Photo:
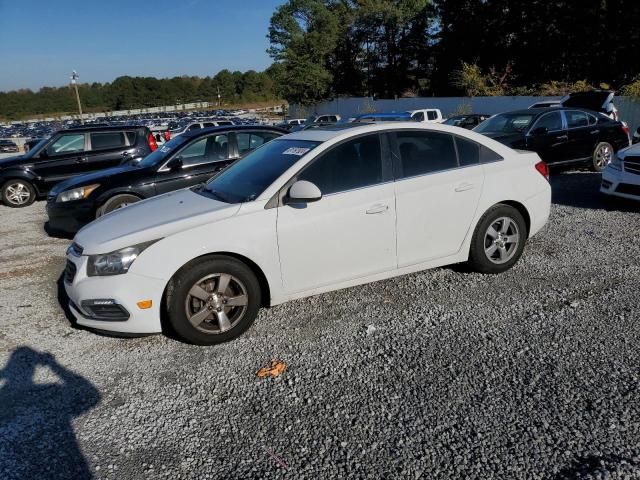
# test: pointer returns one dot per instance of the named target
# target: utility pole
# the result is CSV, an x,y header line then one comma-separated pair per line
x,y
74,78
218,97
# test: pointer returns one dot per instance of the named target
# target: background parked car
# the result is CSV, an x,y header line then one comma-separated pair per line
x,y
69,153
560,135
547,104
8,146
621,178
184,161
198,125
291,123
469,121
29,144
429,115
384,117
324,119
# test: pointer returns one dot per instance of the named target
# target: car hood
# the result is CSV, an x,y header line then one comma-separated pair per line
x,y
632,150
151,219
110,175
508,139
12,161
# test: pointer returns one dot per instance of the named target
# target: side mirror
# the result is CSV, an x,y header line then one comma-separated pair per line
x,y
638,131
303,191
43,153
540,131
175,163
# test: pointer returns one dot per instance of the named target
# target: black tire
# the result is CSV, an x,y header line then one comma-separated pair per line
x,y
116,202
18,193
602,156
209,331
482,243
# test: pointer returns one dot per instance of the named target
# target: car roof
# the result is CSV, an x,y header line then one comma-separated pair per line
x,y
385,115
106,128
227,128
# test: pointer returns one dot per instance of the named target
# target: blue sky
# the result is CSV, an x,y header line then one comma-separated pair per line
x,y
42,41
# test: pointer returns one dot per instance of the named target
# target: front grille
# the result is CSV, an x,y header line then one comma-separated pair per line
x,y
628,189
106,310
632,164
70,272
606,184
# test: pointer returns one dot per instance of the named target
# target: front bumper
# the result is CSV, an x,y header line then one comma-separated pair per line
x,y
69,217
619,183
125,290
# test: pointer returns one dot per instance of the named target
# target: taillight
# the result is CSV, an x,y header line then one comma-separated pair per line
x,y
152,142
167,135
625,128
543,169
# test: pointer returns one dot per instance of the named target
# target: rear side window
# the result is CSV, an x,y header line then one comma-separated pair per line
x,y
425,152
106,140
131,136
576,119
354,164
431,115
195,126
472,153
551,121
248,141
207,124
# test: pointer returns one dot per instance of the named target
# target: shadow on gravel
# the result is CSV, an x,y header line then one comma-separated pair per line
x,y
582,190
594,467
36,435
56,233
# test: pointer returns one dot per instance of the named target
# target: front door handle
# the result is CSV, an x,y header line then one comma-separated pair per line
x,y
463,187
377,208
82,159
594,132
563,137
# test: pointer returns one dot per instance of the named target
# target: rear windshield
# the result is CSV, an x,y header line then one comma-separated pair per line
x,y
246,179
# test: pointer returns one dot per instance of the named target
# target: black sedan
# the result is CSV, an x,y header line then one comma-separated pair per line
x,y
560,135
185,161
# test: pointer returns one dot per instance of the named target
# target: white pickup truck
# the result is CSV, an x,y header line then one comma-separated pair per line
x,y
429,115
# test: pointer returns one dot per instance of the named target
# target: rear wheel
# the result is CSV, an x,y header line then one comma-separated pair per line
x,y
18,193
602,156
213,301
115,203
498,240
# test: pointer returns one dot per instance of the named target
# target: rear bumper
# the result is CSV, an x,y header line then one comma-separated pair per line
x,y
69,217
621,184
125,290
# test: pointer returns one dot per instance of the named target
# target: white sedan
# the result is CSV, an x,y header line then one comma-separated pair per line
x,y
621,178
307,213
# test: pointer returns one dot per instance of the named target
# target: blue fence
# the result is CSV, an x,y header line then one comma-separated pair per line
x,y
629,108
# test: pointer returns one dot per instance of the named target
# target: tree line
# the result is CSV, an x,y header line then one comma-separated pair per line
x,y
393,48
139,92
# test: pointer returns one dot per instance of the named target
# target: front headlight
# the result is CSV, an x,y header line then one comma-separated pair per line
x,y
115,263
77,193
616,163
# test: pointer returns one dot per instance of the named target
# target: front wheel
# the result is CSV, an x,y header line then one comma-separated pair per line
x,y
602,156
213,301
18,193
115,203
498,240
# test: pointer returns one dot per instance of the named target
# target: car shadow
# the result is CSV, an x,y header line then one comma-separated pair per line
x,y
52,232
582,190
36,418
594,467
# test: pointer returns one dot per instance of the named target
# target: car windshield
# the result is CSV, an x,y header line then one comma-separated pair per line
x,y
246,179
506,123
157,157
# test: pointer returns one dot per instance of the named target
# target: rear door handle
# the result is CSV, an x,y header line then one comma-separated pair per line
x,y
82,159
563,137
593,132
377,208
463,187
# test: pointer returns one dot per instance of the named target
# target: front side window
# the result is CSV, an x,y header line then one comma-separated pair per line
x,y
419,117
206,149
551,121
354,164
195,126
106,140
576,119
73,142
425,152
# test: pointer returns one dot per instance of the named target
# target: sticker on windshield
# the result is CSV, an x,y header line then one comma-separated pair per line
x,y
165,149
299,151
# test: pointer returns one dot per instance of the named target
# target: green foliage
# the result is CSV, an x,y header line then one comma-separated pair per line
x,y
126,93
556,88
632,89
470,79
462,109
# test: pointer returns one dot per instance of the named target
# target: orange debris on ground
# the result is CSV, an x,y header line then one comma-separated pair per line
x,y
274,370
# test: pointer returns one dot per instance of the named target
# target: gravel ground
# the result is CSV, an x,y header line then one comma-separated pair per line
x,y
441,374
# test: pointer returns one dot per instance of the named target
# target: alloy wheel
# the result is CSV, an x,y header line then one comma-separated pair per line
x,y
17,193
216,303
501,240
604,155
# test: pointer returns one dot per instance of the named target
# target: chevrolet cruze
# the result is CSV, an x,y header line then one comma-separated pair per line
x,y
307,213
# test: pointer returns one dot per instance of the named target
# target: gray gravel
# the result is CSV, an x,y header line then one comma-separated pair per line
x,y
442,374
